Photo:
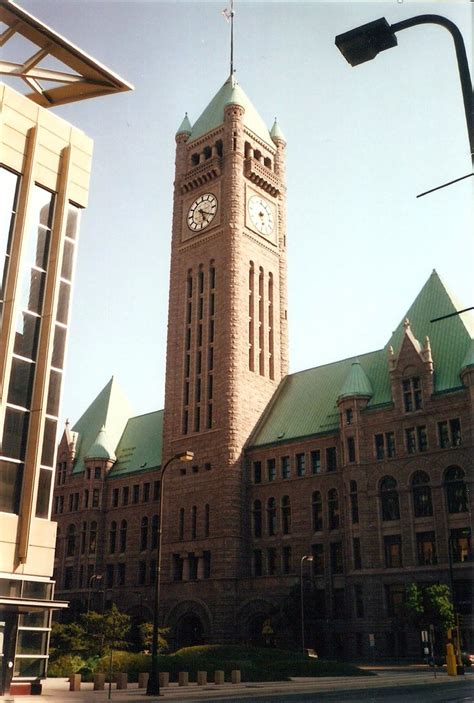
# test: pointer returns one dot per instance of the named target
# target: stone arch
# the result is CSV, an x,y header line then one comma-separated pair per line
x,y
190,624
252,616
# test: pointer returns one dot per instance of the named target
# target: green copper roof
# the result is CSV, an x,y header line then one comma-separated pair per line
x,y
111,410
185,126
469,358
102,447
356,383
140,446
276,132
450,338
306,402
213,116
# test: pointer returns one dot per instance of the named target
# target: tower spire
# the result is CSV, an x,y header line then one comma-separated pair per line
x,y
229,15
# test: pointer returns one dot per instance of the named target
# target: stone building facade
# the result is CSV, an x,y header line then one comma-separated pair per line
x,y
363,464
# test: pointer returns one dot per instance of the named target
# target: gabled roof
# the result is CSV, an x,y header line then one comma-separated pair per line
x,y
306,402
213,116
140,446
111,410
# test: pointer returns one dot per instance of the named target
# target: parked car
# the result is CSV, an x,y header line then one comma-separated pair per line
x,y
467,659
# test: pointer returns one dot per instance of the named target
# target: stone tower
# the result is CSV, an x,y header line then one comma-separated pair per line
x,y
227,348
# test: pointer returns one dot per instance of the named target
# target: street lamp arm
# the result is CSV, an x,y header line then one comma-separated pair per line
x,y
463,64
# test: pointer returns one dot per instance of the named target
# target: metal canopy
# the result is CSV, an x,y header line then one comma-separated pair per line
x,y
83,76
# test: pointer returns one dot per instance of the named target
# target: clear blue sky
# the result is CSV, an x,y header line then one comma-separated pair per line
x,y
362,143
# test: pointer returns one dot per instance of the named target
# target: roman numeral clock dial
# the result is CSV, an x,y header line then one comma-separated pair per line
x,y
202,212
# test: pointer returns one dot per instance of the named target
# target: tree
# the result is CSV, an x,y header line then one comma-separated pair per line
x,y
67,638
431,605
146,635
106,631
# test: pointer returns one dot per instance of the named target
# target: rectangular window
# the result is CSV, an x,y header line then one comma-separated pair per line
x,y
257,562
317,551
357,553
460,542
426,548
146,492
95,498
178,563
285,467
125,495
115,497
141,573
337,565
271,561
331,459
286,554
393,551
271,469
68,578
97,472
135,493
449,433
359,600
422,438
390,443
351,450
257,471
121,570
300,465
412,398
338,603
349,416
316,461
410,440
206,557
156,490
379,446
395,598
109,575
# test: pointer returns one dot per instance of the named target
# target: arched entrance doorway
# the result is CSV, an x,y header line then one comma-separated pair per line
x,y
189,631
256,626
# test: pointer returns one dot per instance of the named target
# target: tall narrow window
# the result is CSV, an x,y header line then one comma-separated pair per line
x,y
271,358
123,536
286,515
316,461
181,524
112,537
271,516
333,509
317,511
261,322
193,522
354,499
456,490
155,523
422,503
144,534
93,538
207,520
389,499
251,341
300,464
412,397
257,518
71,541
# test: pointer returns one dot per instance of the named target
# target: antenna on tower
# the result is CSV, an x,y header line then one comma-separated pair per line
x,y
229,15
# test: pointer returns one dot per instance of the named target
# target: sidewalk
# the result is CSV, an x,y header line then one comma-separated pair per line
x,y
57,690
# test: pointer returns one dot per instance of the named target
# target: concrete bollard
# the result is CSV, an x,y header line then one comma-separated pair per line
x,y
99,682
183,678
143,679
75,682
201,678
164,679
219,677
122,681
235,676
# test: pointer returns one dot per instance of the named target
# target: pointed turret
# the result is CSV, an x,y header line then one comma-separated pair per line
x,y
276,133
102,448
213,116
356,384
185,127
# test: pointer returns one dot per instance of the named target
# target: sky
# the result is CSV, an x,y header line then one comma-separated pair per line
x,y
361,144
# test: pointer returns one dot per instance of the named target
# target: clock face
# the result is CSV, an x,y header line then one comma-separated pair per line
x,y
202,212
261,215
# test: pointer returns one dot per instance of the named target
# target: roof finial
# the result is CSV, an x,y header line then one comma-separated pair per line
x,y
229,15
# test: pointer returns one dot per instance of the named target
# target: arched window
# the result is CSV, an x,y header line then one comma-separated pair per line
x,y
257,518
112,537
207,520
456,490
286,515
317,506
144,534
155,521
271,516
422,503
333,509
389,499
123,535
193,522
71,541
93,537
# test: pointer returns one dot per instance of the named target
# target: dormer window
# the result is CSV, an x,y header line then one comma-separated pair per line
x,y
412,399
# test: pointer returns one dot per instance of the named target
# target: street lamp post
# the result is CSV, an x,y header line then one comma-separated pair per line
x,y
94,577
306,557
153,686
365,42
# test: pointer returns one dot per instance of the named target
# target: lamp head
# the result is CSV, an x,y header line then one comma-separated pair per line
x,y
365,42
185,456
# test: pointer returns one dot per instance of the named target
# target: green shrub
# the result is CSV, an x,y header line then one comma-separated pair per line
x,y
65,665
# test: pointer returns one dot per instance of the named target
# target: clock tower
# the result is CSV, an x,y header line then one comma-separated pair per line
x,y
226,352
